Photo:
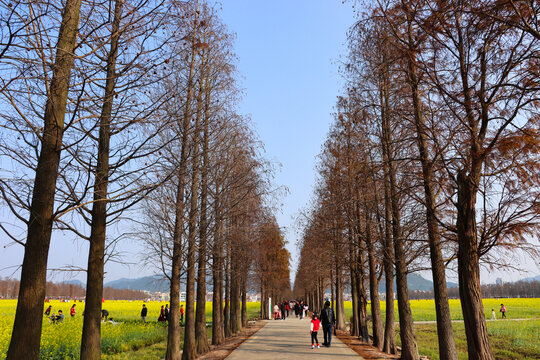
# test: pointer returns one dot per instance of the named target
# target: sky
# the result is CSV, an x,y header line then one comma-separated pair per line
x,y
289,53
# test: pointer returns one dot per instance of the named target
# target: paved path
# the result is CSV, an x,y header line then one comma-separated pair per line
x,y
289,339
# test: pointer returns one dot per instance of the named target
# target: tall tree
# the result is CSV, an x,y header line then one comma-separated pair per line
x,y
26,333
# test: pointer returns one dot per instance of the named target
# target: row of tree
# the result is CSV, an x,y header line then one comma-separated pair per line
x,y
122,111
432,158
9,289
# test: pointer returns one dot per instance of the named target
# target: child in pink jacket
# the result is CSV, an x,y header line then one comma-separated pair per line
x,y
314,327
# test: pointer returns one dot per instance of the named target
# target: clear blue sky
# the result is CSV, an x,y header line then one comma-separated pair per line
x,y
289,53
288,60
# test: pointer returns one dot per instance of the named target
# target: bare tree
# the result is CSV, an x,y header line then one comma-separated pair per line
x,y
27,327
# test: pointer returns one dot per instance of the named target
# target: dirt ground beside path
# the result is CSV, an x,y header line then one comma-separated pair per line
x,y
368,352
220,352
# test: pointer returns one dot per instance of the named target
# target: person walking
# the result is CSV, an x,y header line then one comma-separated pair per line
x,y
314,328
72,311
144,312
276,311
167,312
503,311
328,320
283,310
301,310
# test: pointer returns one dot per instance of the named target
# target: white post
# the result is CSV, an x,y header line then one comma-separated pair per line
x,y
269,308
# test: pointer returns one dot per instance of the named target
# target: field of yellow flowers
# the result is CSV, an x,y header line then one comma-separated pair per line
x,y
63,341
128,332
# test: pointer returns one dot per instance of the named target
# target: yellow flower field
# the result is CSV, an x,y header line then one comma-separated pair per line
x,y
424,310
63,341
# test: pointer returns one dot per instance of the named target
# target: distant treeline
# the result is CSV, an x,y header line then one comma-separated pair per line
x,y
9,289
523,289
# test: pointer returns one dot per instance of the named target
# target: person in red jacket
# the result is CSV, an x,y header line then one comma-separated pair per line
x,y
181,313
72,311
314,328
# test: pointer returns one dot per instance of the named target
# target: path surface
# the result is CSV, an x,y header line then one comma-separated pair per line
x,y
289,339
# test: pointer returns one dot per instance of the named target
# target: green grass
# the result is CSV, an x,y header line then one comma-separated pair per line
x,y
509,339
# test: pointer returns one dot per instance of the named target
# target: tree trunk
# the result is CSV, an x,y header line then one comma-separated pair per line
x,y
201,336
478,344
235,319
173,334
409,347
374,292
91,334
340,309
447,346
217,297
354,290
389,345
362,300
226,311
189,351
26,335
244,300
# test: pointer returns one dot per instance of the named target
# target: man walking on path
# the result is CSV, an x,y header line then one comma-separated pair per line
x,y
328,320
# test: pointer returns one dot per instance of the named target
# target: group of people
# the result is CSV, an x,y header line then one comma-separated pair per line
x,y
502,310
54,318
163,314
59,317
281,311
326,320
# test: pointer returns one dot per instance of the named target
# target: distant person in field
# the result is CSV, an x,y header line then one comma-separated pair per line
x,y
48,311
161,317
328,320
72,311
104,315
503,311
144,312
181,313
167,312
313,329
493,317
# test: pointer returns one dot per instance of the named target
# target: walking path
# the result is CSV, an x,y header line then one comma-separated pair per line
x,y
290,339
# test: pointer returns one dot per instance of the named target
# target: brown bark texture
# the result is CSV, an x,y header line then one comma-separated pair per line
x,y
26,335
